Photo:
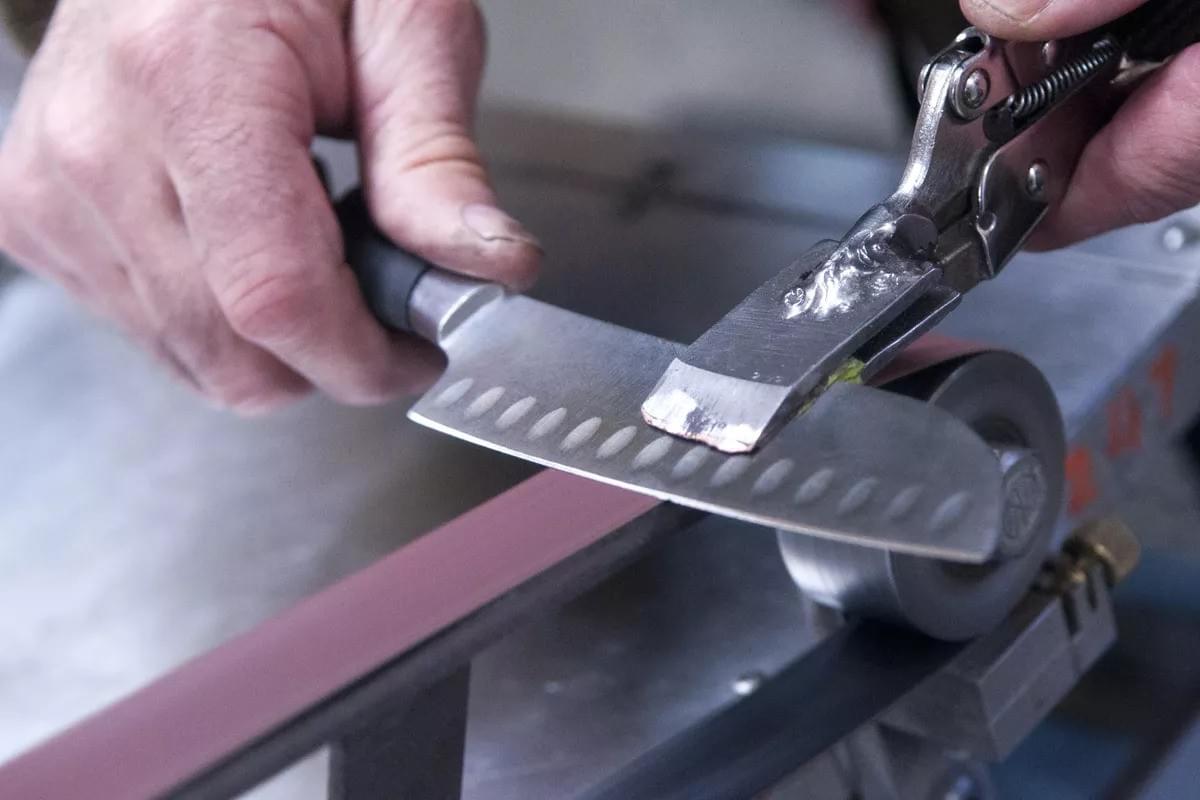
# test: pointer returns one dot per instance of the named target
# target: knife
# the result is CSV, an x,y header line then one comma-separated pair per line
x,y
564,390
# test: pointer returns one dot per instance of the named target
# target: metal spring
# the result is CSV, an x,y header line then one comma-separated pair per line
x,y
1034,99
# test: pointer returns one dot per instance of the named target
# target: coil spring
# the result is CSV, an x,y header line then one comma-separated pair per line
x,y
1036,98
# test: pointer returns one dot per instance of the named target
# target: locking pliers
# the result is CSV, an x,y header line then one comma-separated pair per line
x,y
1001,129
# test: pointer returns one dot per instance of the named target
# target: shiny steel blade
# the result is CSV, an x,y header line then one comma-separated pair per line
x,y
863,465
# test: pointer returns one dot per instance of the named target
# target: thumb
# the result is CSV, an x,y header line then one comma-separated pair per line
x,y
416,67
1044,19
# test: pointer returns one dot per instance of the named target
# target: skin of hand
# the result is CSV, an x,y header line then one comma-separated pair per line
x,y
157,165
1145,164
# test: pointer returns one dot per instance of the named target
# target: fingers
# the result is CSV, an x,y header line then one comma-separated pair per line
x,y
261,228
1143,166
417,66
185,324
270,249
1044,19
125,255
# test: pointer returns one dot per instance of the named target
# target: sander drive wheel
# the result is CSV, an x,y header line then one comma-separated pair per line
x,y
1007,401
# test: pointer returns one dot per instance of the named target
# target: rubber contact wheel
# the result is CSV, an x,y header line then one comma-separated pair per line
x,y
1007,401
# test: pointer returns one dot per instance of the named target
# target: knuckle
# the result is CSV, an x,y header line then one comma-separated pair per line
x,y
272,308
445,145
151,57
78,145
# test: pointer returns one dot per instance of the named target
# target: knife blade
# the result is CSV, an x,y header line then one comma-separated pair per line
x,y
564,390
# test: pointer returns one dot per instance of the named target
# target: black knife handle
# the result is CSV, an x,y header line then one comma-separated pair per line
x,y
386,274
1159,29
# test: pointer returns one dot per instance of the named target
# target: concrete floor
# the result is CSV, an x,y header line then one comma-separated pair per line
x,y
139,527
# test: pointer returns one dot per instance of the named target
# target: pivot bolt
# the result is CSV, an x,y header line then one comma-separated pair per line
x,y
1036,180
975,89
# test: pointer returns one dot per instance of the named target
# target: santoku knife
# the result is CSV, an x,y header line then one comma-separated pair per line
x,y
564,390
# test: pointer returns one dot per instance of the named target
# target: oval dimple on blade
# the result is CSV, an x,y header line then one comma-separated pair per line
x,y
903,503
690,462
857,497
485,402
581,434
515,413
652,453
950,512
547,424
733,468
773,477
815,486
454,393
617,442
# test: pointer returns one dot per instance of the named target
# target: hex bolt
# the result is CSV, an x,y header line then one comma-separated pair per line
x,y
975,89
1109,542
1036,179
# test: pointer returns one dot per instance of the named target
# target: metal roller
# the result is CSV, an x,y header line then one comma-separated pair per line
x,y
1008,402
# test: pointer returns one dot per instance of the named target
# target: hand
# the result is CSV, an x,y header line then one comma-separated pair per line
x,y
157,165
1146,163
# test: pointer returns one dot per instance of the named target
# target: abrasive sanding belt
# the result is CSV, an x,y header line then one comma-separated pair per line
x,y
196,716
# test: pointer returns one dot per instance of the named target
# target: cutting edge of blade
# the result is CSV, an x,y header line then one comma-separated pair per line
x,y
955,554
